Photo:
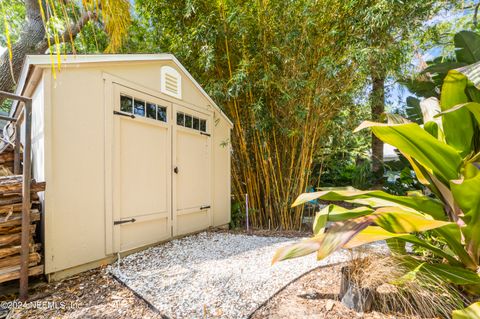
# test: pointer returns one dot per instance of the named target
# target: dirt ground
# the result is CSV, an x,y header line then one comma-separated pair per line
x,y
314,295
92,294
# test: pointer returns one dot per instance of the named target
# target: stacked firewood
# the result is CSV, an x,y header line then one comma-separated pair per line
x,y
6,161
11,227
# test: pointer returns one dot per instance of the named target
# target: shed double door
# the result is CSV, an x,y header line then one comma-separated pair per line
x,y
161,170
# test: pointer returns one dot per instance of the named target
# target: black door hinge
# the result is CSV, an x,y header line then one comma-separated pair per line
x,y
118,222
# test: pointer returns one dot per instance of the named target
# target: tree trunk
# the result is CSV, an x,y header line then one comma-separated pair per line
x,y
32,34
377,104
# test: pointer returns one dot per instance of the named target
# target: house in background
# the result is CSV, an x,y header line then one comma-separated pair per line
x,y
132,150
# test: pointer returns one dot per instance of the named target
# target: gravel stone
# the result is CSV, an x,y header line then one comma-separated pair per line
x,y
214,275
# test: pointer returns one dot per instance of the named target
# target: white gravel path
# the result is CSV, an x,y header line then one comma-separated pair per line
x,y
209,275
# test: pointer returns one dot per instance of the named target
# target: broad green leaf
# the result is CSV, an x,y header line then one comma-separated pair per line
x,y
443,67
457,127
442,159
320,220
472,92
397,220
454,274
453,237
471,312
377,199
467,44
396,246
473,107
435,250
341,233
396,119
375,233
430,108
432,128
466,193
413,110
340,213
369,235
325,243
299,249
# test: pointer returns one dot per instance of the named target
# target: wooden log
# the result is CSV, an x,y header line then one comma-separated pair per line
x,y
15,219
13,183
6,157
13,189
7,201
13,250
14,239
14,273
15,229
33,259
7,209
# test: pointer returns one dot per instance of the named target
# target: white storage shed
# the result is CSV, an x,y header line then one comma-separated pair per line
x,y
132,150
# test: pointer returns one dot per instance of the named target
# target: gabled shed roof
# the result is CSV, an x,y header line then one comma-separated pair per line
x,y
45,60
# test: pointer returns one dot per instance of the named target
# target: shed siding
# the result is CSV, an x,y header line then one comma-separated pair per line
x,y
74,218
221,171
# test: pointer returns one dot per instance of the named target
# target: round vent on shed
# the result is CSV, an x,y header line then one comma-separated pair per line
x,y
170,82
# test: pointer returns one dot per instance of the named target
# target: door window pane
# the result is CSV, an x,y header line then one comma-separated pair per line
x,y
139,108
203,125
125,104
162,113
196,123
188,120
180,119
151,111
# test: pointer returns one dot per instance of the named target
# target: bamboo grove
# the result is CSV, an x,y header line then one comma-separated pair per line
x,y
280,71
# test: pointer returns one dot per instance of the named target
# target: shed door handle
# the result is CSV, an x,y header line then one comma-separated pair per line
x,y
124,114
205,207
175,170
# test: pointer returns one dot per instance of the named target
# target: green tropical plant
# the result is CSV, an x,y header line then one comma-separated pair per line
x,y
471,312
429,82
445,156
